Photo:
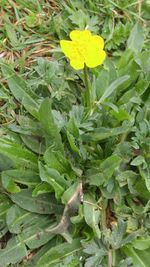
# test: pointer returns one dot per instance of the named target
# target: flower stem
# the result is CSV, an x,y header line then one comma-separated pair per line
x,y
87,96
110,259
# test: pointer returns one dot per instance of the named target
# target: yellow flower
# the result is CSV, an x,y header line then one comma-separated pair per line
x,y
84,48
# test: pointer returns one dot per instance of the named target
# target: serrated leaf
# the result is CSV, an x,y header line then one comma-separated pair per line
x,y
97,252
117,234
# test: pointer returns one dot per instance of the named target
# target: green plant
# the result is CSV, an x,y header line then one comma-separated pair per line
x,y
75,184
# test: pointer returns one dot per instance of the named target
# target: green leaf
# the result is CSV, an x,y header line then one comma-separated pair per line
x,y
121,115
5,163
136,38
10,185
72,126
17,219
140,258
53,137
139,160
20,90
55,160
31,20
124,176
69,261
5,204
35,235
95,177
142,190
92,214
33,143
117,234
30,226
52,177
41,189
41,251
132,69
58,253
96,251
42,204
103,133
141,243
69,193
112,87
72,142
19,155
26,177
102,83
142,86
10,31
82,19
145,173
109,165
143,60
13,253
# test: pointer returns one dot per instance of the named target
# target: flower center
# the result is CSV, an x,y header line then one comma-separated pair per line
x,y
81,48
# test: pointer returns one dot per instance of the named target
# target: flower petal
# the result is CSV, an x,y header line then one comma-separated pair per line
x,y
77,64
94,59
77,35
98,41
84,48
67,47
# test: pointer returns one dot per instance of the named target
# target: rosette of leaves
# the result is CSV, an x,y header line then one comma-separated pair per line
x,y
75,186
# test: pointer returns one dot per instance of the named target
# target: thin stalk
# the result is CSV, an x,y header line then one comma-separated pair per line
x,y
104,228
110,258
103,215
87,96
